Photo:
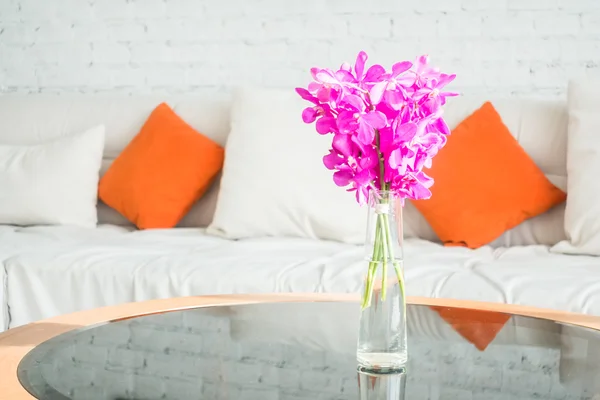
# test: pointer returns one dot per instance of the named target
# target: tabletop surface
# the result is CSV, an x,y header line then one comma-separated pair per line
x,y
306,350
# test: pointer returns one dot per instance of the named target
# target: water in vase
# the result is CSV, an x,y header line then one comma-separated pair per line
x,y
382,343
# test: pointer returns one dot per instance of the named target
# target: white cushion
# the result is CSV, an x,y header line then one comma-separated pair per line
x,y
582,215
274,182
52,183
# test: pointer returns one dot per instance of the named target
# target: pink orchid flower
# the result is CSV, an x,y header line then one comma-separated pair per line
x,y
381,121
364,124
393,82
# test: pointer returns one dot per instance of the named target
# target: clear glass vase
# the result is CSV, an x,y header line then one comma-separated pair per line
x,y
382,333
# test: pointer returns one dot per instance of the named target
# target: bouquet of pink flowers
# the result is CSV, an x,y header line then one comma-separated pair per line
x,y
386,127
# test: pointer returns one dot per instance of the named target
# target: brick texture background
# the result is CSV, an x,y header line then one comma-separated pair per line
x,y
506,47
194,355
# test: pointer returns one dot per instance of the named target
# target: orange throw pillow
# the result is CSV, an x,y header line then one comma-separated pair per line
x,y
162,172
485,183
478,327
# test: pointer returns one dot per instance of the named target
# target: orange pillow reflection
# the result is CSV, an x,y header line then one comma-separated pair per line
x,y
165,169
485,183
478,327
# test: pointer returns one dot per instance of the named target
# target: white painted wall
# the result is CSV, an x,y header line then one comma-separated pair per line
x,y
511,47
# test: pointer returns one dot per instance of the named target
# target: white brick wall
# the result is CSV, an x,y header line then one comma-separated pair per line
x,y
135,359
510,47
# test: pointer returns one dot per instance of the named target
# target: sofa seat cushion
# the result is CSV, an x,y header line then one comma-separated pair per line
x,y
64,269
9,247
3,296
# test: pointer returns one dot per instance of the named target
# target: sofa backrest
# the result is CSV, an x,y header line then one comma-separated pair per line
x,y
540,126
30,119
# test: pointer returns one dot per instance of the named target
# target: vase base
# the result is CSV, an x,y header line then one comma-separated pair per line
x,y
382,362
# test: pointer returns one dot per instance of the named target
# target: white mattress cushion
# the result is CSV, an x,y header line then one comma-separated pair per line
x,y
51,183
8,248
64,269
4,317
274,181
582,216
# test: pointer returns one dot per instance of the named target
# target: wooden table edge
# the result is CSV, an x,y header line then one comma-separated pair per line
x,y
37,332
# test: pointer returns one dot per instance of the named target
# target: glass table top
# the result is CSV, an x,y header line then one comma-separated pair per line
x,y
297,351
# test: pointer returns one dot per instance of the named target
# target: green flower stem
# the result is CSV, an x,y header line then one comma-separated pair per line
x,y
381,220
383,246
383,252
369,285
397,268
372,268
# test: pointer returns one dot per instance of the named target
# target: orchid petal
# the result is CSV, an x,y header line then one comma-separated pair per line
x,y
344,76
369,159
359,65
374,72
376,119
326,76
332,160
406,132
325,125
342,178
420,160
324,94
362,195
441,125
422,62
363,178
354,101
365,133
314,71
444,80
377,91
425,179
347,122
306,95
449,94
309,115
343,144
395,99
395,159
407,79
420,192
386,139
401,67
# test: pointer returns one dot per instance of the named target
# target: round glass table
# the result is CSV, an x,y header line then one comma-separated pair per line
x,y
295,350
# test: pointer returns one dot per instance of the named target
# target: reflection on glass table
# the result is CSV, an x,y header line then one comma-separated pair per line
x,y
379,386
295,351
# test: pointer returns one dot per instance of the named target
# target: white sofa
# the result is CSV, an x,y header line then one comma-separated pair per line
x,y
51,270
